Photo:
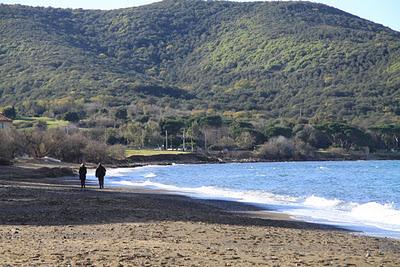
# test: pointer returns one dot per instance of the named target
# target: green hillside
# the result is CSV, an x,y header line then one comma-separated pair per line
x,y
261,61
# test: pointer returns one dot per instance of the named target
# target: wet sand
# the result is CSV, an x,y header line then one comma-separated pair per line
x,y
52,222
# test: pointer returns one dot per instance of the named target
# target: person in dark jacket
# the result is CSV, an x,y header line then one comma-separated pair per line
x,y
100,173
82,175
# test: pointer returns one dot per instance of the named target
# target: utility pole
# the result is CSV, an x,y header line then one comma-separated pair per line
x,y
184,140
166,140
191,138
205,141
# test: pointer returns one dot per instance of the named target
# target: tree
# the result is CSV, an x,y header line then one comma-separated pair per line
x,y
72,116
121,114
345,135
245,140
152,134
226,142
134,134
275,131
316,138
193,134
10,112
237,127
172,126
211,121
389,134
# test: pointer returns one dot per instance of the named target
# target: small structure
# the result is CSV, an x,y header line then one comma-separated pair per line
x,y
5,122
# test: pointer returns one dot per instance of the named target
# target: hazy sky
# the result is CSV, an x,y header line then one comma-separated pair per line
x,y
385,12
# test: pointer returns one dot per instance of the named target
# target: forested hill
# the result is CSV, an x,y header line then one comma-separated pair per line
x,y
261,59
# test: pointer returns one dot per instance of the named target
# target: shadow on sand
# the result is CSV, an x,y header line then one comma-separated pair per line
x,y
52,202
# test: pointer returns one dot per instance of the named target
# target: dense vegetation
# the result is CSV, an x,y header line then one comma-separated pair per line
x,y
257,60
282,140
291,75
74,146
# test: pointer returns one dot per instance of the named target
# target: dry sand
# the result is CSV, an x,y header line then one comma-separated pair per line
x,y
50,222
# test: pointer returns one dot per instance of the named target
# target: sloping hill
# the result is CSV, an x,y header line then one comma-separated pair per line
x,y
271,59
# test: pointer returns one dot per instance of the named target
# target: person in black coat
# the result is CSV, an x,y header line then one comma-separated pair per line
x,y
100,173
82,175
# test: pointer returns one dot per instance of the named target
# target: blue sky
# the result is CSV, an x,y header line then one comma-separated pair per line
x,y
385,12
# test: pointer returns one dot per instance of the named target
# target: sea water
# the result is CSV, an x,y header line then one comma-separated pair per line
x,y
358,195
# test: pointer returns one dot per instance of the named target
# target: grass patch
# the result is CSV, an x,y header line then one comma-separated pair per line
x,y
28,122
150,152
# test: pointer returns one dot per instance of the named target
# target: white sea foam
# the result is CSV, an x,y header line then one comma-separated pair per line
x,y
373,218
150,175
249,196
119,171
128,172
385,216
313,208
320,202
153,166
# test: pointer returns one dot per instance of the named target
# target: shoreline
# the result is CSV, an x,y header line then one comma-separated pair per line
x,y
256,210
195,158
51,221
287,209
56,169
39,168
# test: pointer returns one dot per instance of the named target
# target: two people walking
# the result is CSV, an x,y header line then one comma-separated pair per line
x,y
100,174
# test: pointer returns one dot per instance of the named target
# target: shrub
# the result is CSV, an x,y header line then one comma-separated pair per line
x,y
42,125
226,143
116,152
71,116
303,150
8,143
277,148
39,143
72,147
96,152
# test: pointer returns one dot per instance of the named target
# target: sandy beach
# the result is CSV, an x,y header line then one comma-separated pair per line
x,y
52,222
